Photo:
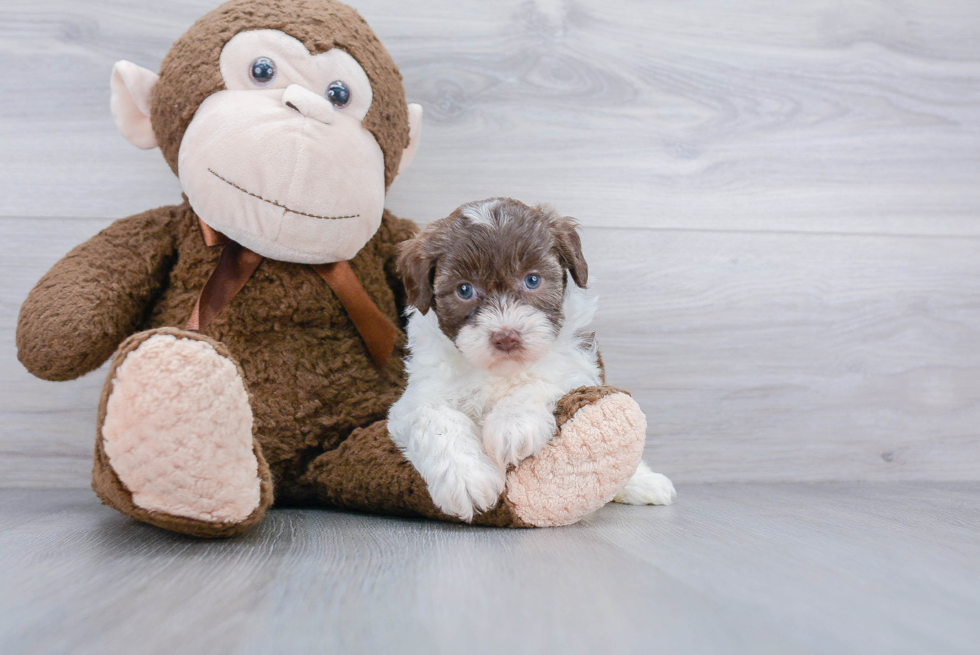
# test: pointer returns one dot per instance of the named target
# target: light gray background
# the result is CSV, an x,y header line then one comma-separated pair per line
x,y
781,201
781,204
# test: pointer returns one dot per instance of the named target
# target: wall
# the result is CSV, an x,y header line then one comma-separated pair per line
x,y
781,205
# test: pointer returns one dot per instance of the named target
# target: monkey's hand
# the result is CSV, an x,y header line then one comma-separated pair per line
x,y
96,296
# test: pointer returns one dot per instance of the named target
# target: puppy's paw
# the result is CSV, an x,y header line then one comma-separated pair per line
x,y
511,435
647,488
465,485
443,445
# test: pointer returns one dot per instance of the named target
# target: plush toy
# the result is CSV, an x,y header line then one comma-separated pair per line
x,y
255,329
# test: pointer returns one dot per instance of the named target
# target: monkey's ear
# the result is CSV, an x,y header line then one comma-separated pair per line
x,y
569,247
132,90
417,269
414,134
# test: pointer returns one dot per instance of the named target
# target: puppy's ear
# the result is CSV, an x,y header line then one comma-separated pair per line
x,y
417,267
569,248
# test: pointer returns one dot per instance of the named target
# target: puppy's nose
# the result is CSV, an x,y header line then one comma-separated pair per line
x,y
506,340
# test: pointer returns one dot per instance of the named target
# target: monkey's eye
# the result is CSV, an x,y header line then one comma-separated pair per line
x,y
465,291
532,281
338,94
262,71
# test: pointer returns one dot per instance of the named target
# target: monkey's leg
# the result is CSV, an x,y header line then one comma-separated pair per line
x,y
597,448
600,438
175,446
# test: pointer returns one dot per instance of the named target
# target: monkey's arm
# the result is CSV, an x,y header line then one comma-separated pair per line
x,y
96,296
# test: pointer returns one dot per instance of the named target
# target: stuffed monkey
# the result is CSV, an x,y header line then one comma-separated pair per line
x,y
255,329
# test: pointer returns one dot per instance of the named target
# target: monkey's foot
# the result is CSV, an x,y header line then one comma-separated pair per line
x,y
597,449
175,445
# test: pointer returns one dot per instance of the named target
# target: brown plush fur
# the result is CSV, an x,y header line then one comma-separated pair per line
x,y
189,73
578,398
82,309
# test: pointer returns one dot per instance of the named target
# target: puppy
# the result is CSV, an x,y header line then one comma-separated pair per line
x,y
497,335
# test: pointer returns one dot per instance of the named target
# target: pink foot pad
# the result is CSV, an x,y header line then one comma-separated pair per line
x,y
178,431
583,467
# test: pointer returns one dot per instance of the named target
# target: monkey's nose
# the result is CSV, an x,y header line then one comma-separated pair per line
x,y
506,341
311,105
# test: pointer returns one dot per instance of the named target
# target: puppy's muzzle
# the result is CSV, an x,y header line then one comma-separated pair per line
x,y
506,341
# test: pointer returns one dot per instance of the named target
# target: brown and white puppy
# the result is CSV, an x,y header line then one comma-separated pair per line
x,y
500,331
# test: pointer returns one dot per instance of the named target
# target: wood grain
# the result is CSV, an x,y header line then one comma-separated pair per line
x,y
782,204
734,568
788,116
796,357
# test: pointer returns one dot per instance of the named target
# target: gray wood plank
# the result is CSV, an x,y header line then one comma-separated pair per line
x,y
796,357
732,568
756,356
792,116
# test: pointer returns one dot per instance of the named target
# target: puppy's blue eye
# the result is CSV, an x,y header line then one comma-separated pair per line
x,y
338,94
465,291
532,281
262,71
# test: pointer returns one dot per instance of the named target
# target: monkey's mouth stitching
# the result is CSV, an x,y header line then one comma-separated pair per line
x,y
278,204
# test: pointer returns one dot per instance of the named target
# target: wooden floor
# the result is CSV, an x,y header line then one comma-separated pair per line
x,y
732,568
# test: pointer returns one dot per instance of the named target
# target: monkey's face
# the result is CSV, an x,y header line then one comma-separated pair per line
x,y
279,161
279,158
